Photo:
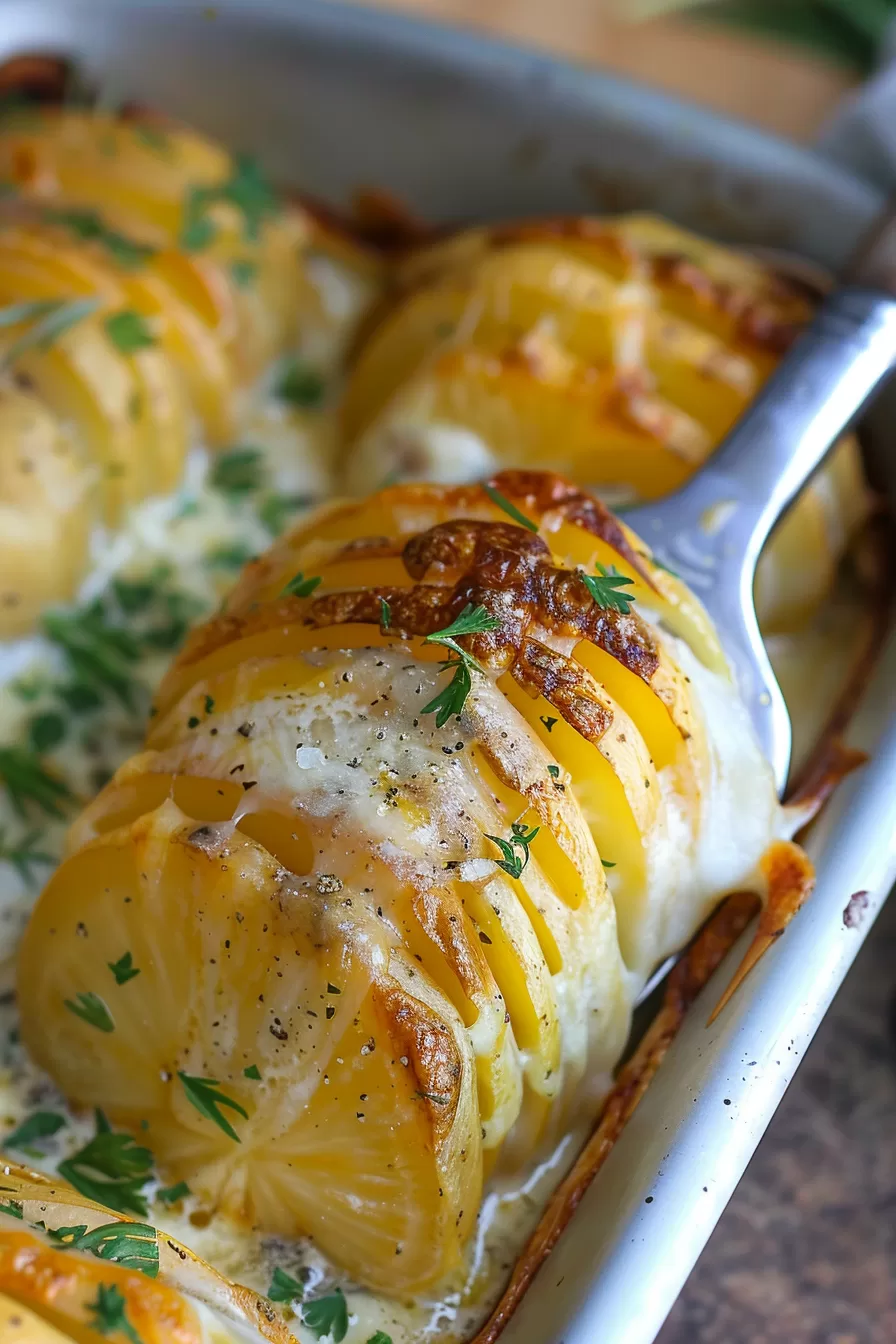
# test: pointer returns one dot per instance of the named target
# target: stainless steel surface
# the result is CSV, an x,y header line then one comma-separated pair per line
x,y
460,127
713,529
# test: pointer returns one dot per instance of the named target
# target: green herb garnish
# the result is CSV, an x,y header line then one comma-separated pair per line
x,y
23,855
245,189
129,331
243,272
660,564
40,1125
554,771
46,731
204,1094
327,1316
276,510
252,1072
111,1169
385,614
27,782
510,509
173,1193
605,863
299,586
452,698
100,654
123,969
229,557
12,1208
605,587
90,226
284,1288
152,137
300,385
521,838
54,322
238,472
131,1245
91,1009
109,1310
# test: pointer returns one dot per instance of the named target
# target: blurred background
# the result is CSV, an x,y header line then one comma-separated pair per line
x,y
806,1252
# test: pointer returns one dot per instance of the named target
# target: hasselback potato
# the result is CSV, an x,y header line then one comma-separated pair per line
x,y
619,350
417,813
71,1272
148,279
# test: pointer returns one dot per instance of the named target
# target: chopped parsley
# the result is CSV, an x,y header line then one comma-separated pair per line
x,y
243,272
605,863
205,1095
385,614
229,557
23,855
276,510
452,698
661,564
252,1072
129,331
605,587
90,226
380,1337
300,385
284,1288
109,1311
299,586
12,1208
40,1125
46,731
327,1316
53,319
238,472
91,1009
245,189
172,1193
27,782
99,653
123,969
510,509
131,1245
111,1169
521,838
548,721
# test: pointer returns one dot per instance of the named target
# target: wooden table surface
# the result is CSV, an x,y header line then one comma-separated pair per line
x,y
806,1251
777,87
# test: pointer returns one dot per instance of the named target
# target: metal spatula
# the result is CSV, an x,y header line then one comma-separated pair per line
x,y
711,531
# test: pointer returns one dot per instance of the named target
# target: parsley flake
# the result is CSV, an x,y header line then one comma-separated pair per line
x,y
172,1193
243,272
91,1009
327,1316
605,863
204,1094
252,1072
109,1310
554,771
28,782
123,969
380,1337
300,385
238,472
131,1245
53,319
23,855
40,1125
521,838
90,226
12,1208
385,614
111,1169
299,586
129,331
452,698
284,1288
46,731
276,510
510,509
605,587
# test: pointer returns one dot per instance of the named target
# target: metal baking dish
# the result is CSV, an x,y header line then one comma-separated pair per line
x,y
459,127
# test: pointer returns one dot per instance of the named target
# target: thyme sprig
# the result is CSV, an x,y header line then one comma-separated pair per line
x,y
521,837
